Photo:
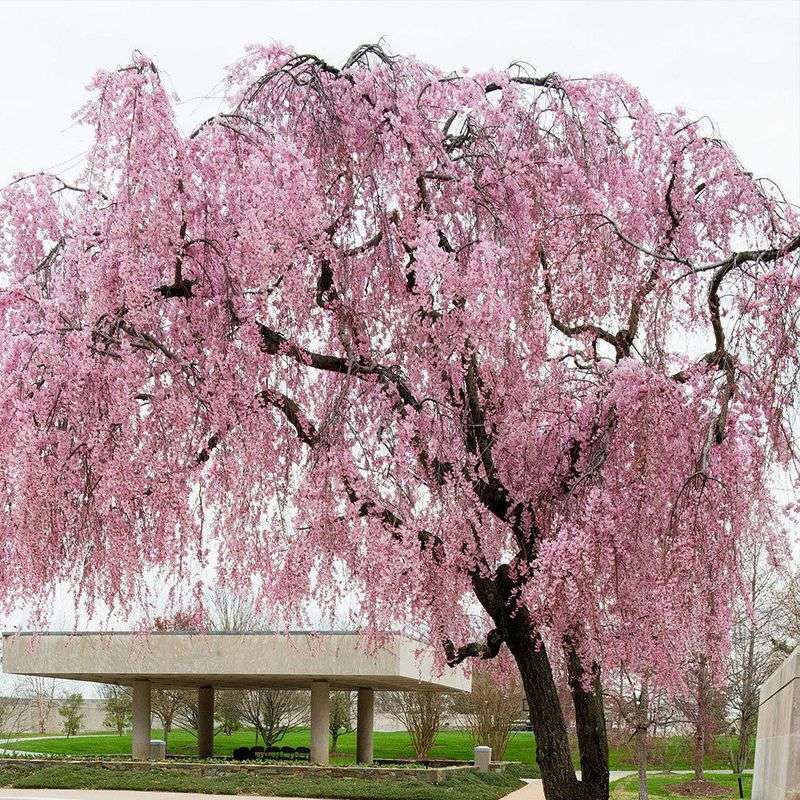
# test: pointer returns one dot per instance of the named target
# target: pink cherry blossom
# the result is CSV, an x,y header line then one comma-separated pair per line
x,y
416,342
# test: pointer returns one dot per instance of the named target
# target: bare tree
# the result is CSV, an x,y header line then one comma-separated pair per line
x,y
665,717
632,701
166,704
491,709
274,712
786,636
232,612
754,654
12,710
703,708
420,713
228,711
187,713
41,692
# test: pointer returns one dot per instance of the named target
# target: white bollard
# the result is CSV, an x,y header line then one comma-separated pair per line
x,y
158,750
483,757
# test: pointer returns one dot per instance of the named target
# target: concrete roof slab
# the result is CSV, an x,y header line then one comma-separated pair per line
x,y
231,660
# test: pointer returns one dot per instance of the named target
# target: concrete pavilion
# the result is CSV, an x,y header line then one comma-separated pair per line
x,y
320,662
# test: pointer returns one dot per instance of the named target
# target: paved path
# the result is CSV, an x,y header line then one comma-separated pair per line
x,y
97,794
532,790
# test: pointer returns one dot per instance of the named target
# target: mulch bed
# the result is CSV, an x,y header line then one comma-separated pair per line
x,y
701,789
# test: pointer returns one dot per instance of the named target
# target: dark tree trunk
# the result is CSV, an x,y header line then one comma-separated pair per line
x,y
590,722
553,754
699,752
701,723
547,720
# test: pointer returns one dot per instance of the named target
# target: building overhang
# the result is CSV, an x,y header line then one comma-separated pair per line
x,y
232,660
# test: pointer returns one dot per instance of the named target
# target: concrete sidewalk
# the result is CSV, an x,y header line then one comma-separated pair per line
x,y
531,791
115,794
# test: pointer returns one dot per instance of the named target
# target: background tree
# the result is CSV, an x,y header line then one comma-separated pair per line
x,y
490,710
786,634
70,710
41,693
187,711
341,716
272,713
166,704
420,713
12,712
511,339
228,711
118,705
754,655
703,707
632,701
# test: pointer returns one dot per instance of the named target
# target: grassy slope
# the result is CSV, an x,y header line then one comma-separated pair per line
x,y
457,787
659,786
449,744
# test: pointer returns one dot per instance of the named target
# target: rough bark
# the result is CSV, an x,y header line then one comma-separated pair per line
x,y
553,754
587,697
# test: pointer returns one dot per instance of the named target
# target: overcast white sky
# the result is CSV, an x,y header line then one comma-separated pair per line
x,y
738,62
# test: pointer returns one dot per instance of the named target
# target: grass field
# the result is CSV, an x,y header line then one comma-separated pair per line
x,y
449,744
660,786
456,787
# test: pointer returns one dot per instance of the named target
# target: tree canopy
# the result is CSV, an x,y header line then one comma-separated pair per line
x,y
413,336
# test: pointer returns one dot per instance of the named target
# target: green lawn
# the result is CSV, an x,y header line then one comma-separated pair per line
x,y
70,776
449,744
659,786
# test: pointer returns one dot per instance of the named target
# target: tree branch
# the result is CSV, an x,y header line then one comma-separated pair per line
x,y
306,431
276,343
483,650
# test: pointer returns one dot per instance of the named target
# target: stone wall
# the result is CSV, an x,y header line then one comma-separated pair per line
x,y
218,769
777,766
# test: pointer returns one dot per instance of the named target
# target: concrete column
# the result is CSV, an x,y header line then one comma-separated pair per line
x,y
320,721
205,721
365,722
141,720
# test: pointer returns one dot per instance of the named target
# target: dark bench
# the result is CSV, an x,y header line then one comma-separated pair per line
x,y
285,753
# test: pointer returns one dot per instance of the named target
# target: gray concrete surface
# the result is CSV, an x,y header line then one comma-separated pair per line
x,y
101,794
231,660
777,765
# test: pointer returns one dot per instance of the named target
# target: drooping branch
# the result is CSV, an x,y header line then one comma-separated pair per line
x,y
628,335
573,331
549,81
